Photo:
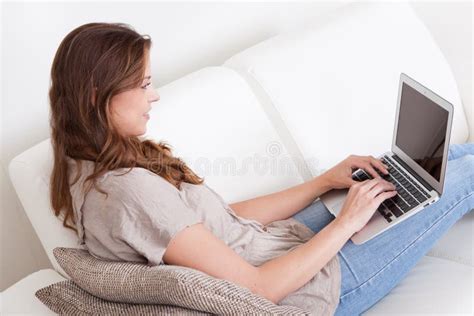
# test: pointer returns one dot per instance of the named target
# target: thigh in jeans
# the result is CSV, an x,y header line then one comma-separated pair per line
x,y
369,271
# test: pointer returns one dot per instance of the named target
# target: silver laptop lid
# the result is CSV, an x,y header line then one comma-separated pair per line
x,y
422,131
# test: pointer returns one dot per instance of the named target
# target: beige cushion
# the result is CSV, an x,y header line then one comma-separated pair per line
x,y
138,283
66,298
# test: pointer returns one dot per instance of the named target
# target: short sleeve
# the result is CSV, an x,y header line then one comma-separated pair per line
x,y
151,212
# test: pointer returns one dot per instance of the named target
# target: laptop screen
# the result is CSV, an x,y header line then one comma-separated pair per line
x,y
421,130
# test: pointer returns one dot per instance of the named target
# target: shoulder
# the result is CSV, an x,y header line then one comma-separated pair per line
x,y
138,185
135,177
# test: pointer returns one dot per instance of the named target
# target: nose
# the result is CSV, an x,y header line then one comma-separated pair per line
x,y
155,96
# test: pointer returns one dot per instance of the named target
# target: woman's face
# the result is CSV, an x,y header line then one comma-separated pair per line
x,y
129,109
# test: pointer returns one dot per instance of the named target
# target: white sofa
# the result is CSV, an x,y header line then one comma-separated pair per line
x,y
293,101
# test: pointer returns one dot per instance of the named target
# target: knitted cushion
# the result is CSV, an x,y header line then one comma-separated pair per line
x,y
66,298
138,283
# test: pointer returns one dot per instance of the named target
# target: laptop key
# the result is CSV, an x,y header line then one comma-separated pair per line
x,y
358,176
388,216
412,190
396,199
412,201
420,197
381,210
393,207
405,207
421,190
396,211
392,180
406,198
404,194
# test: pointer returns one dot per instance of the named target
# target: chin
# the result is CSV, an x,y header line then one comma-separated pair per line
x,y
143,132
138,133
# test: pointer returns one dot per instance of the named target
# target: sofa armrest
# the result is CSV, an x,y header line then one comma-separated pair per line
x,y
20,297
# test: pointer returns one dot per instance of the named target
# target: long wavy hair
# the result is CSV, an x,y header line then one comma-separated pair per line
x,y
108,58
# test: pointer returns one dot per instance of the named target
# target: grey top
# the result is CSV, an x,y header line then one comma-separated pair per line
x,y
144,212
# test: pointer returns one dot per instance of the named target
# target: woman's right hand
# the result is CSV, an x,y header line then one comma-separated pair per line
x,y
362,201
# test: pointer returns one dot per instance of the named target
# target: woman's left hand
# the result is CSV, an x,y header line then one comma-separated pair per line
x,y
340,176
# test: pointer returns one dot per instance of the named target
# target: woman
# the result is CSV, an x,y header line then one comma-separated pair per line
x,y
131,199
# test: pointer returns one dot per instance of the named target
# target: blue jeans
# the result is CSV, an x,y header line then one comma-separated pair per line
x,y
369,271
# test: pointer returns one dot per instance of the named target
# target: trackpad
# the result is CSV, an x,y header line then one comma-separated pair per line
x,y
334,200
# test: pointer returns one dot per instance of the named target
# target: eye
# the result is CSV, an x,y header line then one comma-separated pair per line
x,y
145,86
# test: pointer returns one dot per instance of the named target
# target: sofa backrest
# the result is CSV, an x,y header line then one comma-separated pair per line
x,y
216,124
29,173
334,87
213,122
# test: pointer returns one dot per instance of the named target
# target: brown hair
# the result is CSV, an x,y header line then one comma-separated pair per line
x,y
109,58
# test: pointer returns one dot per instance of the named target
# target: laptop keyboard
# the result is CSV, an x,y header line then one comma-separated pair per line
x,y
409,195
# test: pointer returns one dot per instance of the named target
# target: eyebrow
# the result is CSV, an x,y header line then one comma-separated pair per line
x,y
147,77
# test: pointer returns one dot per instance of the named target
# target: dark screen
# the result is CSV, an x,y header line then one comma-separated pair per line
x,y
421,130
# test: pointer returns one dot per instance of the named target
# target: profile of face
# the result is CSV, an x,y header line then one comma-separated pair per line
x,y
129,109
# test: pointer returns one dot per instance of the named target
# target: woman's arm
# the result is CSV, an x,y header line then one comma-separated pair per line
x,y
196,247
303,263
283,204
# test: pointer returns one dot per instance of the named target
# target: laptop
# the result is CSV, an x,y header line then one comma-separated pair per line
x,y
416,162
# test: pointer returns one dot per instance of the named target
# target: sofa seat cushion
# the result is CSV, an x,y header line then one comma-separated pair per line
x,y
435,286
458,243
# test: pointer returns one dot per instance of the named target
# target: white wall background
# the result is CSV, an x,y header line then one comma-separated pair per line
x,y
187,37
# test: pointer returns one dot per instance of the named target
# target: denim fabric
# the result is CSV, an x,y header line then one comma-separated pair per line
x,y
369,271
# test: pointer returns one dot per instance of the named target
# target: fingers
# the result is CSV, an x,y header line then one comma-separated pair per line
x,y
354,182
381,186
368,185
368,167
368,163
379,164
383,196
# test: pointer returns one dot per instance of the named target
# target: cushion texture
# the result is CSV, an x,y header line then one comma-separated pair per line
x,y
138,283
66,298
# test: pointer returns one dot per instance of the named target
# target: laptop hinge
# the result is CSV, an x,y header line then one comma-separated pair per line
x,y
413,173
